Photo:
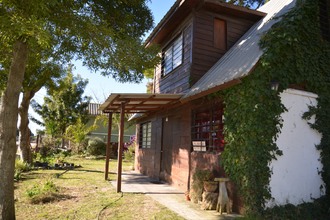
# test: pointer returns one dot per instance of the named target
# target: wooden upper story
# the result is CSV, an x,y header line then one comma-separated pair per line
x,y
193,36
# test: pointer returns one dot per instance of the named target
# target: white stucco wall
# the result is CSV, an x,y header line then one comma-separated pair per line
x,y
295,177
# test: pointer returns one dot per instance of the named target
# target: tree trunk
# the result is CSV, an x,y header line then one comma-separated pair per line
x,y
37,143
8,128
24,130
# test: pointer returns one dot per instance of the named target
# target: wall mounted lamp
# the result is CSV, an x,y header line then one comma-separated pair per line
x,y
274,85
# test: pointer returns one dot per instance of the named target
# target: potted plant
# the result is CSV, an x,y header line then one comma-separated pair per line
x,y
202,181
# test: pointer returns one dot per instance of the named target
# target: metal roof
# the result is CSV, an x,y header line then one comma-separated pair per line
x,y
242,57
138,102
93,109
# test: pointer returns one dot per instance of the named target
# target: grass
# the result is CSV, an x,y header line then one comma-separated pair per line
x,y
83,193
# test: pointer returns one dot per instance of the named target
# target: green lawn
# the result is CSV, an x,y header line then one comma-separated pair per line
x,y
84,194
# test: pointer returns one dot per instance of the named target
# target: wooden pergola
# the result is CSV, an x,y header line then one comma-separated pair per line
x,y
131,103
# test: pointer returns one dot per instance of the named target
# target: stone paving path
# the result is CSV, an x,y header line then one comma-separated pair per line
x,y
133,182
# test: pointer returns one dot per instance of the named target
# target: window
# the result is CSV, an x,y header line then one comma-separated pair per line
x,y
220,34
145,135
172,56
207,129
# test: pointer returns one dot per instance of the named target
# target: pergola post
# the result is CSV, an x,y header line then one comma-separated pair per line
x,y
134,103
120,145
107,158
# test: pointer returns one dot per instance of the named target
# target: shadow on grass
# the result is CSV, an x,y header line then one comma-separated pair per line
x,y
56,173
51,197
91,171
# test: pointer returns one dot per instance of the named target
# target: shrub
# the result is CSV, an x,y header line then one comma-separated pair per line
x,y
197,184
42,192
20,167
17,176
96,146
129,153
44,151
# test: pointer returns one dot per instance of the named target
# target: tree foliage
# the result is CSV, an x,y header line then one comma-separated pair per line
x,y
248,3
294,53
303,55
106,36
78,132
63,105
40,72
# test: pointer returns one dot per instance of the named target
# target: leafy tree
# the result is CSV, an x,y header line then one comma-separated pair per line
x,y
78,132
63,106
39,73
106,36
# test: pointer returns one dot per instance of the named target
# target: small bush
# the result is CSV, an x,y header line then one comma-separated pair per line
x,y
61,156
129,153
17,176
20,167
43,192
44,151
96,146
197,184
78,148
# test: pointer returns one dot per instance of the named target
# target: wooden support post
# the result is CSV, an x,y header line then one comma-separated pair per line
x,y
120,145
108,147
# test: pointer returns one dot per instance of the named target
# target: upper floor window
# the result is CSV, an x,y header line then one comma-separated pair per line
x,y
172,56
145,135
207,129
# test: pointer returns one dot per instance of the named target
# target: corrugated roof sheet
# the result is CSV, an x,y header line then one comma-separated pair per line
x,y
243,56
93,109
138,102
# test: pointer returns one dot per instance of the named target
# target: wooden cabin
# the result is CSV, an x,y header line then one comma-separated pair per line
x,y
193,36
208,46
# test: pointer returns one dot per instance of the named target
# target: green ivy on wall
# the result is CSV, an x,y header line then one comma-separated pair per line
x,y
294,53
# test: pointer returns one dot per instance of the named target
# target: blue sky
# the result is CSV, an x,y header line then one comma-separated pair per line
x,y
100,87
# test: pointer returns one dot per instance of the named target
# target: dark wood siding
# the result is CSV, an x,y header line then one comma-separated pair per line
x,y
205,54
147,159
176,147
168,157
177,81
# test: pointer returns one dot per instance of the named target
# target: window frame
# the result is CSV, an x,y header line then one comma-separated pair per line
x,y
145,135
172,55
207,129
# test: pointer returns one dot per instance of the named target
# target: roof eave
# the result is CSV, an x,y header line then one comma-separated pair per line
x,y
181,7
163,21
211,90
